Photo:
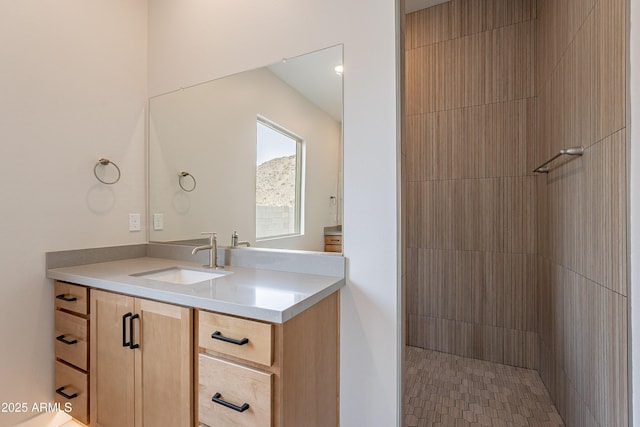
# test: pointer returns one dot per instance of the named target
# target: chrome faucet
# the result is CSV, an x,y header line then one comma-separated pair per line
x,y
213,250
234,241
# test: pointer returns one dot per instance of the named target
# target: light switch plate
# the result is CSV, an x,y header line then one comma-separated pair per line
x,y
134,222
158,221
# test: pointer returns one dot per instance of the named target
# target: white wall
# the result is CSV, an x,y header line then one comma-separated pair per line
x,y
634,207
191,41
210,131
72,90
73,85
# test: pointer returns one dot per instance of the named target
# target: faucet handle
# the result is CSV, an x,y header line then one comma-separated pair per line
x,y
212,235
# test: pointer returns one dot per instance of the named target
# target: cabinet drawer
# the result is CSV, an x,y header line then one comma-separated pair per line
x,y
332,240
236,385
71,339
75,385
333,248
242,338
71,297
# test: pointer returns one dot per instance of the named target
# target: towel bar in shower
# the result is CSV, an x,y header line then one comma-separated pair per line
x,y
574,151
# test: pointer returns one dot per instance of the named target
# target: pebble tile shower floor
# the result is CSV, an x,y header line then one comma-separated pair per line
x,y
446,390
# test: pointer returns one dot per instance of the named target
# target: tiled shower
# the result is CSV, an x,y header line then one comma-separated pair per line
x,y
504,264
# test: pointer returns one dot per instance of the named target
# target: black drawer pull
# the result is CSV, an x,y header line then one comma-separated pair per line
x,y
218,336
216,398
61,339
125,343
65,395
63,297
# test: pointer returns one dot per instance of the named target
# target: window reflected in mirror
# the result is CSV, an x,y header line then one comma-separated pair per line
x,y
278,181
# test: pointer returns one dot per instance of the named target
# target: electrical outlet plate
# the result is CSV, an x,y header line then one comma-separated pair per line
x,y
134,222
158,221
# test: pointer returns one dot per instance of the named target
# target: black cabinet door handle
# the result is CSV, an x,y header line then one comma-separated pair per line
x,y
132,346
125,343
63,297
216,399
65,395
218,336
67,342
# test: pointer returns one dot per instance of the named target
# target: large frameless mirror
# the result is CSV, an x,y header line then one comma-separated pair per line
x,y
257,153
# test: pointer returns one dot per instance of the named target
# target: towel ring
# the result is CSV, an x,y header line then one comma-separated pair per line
x,y
106,162
185,174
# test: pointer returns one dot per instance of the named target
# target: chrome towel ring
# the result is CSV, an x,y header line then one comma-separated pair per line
x,y
182,175
106,162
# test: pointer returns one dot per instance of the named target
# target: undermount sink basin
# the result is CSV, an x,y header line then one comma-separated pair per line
x,y
182,275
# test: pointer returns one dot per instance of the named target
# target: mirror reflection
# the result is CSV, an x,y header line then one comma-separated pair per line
x,y
255,157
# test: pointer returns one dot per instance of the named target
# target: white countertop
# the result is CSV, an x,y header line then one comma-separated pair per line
x,y
272,296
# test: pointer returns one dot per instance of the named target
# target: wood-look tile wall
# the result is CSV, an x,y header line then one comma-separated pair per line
x,y
582,209
501,264
468,144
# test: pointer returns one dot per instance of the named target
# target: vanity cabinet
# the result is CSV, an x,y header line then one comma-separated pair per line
x,y
332,243
260,374
141,362
128,361
72,349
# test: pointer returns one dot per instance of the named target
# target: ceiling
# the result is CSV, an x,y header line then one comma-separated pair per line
x,y
313,75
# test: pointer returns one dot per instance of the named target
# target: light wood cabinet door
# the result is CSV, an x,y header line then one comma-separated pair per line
x,y
112,363
141,362
163,365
